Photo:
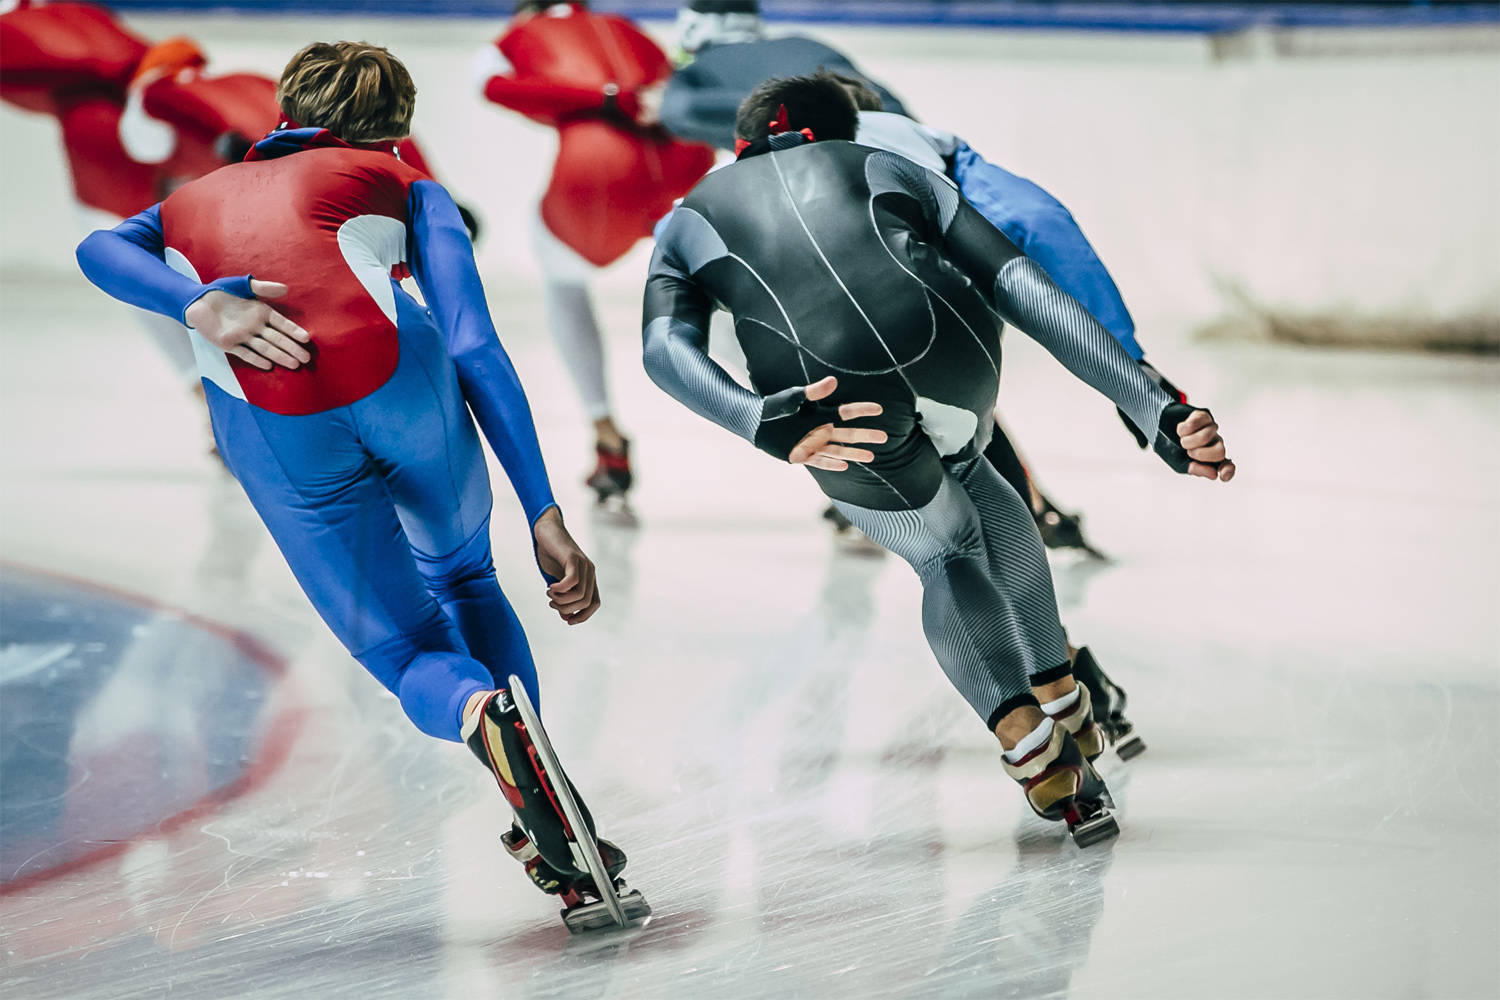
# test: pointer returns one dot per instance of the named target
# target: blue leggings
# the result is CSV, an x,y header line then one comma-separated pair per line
x,y
382,510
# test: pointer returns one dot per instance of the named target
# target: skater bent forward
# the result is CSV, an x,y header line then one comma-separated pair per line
x,y
344,410
861,286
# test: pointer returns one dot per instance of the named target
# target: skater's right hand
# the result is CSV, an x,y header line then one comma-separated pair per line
x,y
248,328
575,595
1190,443
823,446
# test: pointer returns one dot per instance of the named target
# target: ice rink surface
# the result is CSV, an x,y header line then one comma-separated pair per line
x,y
812,811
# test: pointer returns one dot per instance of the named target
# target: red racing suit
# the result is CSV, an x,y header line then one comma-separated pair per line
x,y
582,73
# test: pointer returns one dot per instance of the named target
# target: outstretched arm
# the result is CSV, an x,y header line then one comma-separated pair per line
x,y
1047,233
442,262
1186,439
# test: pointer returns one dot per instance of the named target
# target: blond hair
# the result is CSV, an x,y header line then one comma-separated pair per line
x,y
359,92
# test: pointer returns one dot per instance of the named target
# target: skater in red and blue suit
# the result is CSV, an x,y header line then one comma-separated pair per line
x,y
344,411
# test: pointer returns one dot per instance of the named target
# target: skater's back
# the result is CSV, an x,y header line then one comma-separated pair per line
x,y
830,256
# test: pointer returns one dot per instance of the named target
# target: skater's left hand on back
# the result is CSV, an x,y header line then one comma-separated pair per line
x,y
1199,436
825,446
249,329
575,595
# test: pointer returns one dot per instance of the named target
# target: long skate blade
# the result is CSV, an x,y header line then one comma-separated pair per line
x,y
1093,553
1096,830
559,781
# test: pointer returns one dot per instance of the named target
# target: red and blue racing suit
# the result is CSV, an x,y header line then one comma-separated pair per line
x,y
364,463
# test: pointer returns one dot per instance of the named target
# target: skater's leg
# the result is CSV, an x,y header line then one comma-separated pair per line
x,y
1018,564
973,627
332,518
433,465
575,331
571,320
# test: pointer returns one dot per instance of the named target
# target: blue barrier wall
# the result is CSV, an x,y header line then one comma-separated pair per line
x,y
1150,17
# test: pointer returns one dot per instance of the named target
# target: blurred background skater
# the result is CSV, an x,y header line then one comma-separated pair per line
x,y
854,277
724,53
596,78
355,443
138,120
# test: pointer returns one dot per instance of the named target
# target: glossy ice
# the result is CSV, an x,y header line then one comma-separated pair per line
x,y
812,812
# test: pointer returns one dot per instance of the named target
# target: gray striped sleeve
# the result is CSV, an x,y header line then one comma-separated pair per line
x,y
1029,299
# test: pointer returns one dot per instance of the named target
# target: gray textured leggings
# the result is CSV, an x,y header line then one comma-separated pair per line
x,y
987,602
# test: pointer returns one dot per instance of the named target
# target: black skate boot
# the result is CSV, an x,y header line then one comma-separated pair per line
x,y
1061,784
541,837
549,879
1062,531
498,737
1079,720
1109,705
611,476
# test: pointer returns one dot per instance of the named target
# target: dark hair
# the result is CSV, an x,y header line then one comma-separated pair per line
x,y
818,103
866,97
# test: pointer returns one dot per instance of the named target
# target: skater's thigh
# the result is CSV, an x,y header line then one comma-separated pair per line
x,y
938,533
418,431
335,524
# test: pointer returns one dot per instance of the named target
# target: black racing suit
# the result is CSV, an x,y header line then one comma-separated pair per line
x,y
839,259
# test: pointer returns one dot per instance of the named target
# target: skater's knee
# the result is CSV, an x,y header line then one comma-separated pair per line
x,y
470,564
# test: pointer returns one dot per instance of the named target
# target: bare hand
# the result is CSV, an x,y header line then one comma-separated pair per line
x,y
1199,436
575,595
249,329
823,446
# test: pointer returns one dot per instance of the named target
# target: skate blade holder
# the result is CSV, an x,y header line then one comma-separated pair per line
x,y
597,915
1094,830
1130,746
616,909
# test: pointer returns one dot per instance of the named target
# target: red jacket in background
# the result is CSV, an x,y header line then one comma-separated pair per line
x,y
613,179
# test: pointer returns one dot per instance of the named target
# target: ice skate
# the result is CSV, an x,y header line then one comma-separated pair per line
x,y
611,478
1079,720
1062,531
847,536
1109,705
554,835
1061,784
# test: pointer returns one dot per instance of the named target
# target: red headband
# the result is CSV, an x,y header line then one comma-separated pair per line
x,y
776,126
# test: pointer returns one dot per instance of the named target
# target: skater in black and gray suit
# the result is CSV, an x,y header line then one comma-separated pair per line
x,y
862,290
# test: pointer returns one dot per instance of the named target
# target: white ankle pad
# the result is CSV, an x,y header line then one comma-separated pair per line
x,y
1038,736
1065,702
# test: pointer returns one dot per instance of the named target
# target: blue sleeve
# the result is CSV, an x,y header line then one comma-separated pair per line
x,y
1039,224
442,261
128,262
